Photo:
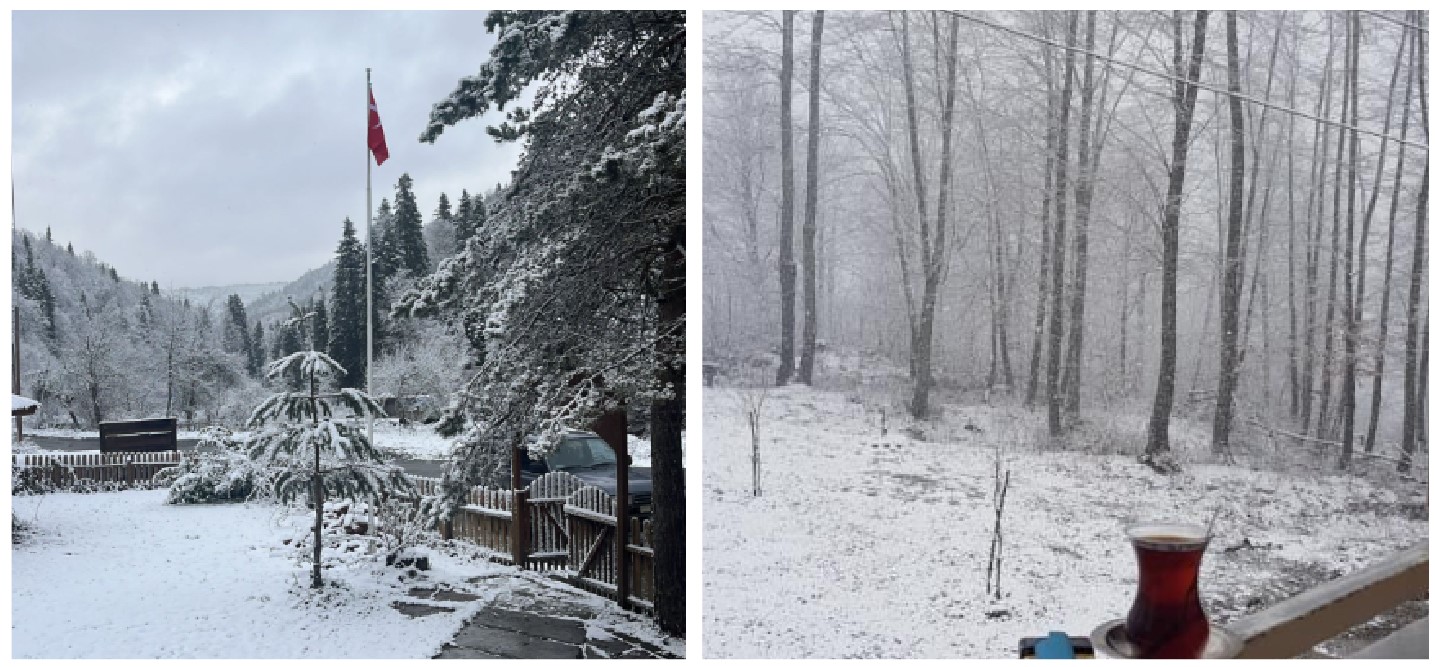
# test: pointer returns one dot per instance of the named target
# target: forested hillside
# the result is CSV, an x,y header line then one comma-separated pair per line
x,y
96,345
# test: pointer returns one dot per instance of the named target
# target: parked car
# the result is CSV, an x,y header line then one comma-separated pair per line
x,y
589,458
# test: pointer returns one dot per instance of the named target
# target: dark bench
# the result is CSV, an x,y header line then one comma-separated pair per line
x,y
139,435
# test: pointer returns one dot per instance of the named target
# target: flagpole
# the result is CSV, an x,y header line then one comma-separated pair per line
x,y
369,250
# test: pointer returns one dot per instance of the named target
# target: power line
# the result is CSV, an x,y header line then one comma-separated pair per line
x,y
1393,20
1180,79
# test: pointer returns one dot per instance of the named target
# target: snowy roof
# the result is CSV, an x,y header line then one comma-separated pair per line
x,y
22,405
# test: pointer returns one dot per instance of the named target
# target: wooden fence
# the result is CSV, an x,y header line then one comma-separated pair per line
x,y
92,471
569,533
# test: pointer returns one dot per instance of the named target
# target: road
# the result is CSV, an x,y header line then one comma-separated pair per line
x,y
418,467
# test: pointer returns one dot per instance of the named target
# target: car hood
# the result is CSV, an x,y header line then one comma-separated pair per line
x,y
640,480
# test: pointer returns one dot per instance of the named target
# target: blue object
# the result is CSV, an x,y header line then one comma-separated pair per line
x,y
1056,646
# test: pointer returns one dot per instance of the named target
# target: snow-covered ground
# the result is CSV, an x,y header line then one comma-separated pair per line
x,y
864,545
123,575
419,441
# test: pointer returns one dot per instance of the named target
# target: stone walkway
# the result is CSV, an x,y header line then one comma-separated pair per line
x,y
533,619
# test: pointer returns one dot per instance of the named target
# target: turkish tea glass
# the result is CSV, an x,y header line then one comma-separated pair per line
x,y
1166,620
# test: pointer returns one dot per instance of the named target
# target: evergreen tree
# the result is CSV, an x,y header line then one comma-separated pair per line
x,y
461,230
443,212
234,333
154,287
313,454
48,237
114,275
469,223
257,357
346,330
408,233
385,255
319,326
601,183
70,248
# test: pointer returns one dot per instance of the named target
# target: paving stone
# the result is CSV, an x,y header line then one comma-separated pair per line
x,y
447,595
464,653
558,629
512,644
415,610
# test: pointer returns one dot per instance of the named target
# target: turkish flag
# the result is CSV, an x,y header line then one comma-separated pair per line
x,y
377,146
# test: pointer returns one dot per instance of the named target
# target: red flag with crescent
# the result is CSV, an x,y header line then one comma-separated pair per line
x,y
377,145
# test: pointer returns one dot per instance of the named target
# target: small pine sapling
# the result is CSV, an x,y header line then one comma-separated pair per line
x,y
311,451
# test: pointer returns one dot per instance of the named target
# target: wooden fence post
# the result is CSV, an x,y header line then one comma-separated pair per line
x,y
519,536
612,427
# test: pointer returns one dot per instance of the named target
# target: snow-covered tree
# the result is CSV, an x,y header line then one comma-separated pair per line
x,y
310,451
578,273
408,234
347,330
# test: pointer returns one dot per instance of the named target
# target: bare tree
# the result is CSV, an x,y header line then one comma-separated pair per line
x,y
1379,372
809,226
1058,239
932,237
787,267
1234,268
1347,417
1157,441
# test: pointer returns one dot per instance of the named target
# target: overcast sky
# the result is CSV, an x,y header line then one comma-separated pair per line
x,y
214,148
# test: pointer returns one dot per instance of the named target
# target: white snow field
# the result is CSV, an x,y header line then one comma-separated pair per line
x,y
123,575
865,545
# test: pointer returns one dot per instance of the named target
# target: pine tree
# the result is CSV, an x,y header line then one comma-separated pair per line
x,y
312,453
471,217
154,287
70,248
385,255
319,327
346,331
461,230
235,330
601,184
50,239
408,234
257,357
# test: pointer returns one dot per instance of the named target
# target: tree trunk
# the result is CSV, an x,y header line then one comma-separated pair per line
x,y
809,225
1058,240
787,268
1347,418
1157,437
1043,284
1316,197
1085,177
1414,377
1234,268
669,493
933,240
1324,428
1379,379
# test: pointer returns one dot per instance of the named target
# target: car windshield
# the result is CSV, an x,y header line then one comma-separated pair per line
x,y
581,452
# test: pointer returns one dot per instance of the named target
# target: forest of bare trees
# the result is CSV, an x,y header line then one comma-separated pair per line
x,y
1217,216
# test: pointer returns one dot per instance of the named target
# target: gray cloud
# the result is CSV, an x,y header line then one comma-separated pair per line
x,y
207,148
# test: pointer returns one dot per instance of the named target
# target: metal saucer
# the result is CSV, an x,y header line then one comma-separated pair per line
x,y
1109,639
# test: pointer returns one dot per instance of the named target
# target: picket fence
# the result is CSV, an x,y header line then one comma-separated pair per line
x,y
88,471
569,531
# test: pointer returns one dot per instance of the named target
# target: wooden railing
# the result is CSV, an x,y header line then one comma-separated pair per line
x,y
1292,627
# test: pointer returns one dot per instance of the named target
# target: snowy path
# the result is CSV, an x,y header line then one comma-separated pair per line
x,y
871,546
